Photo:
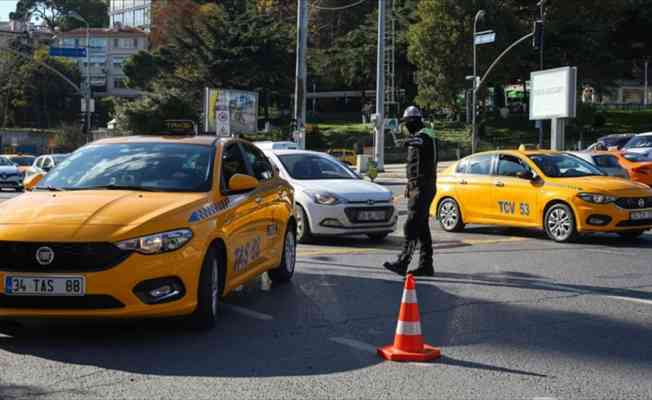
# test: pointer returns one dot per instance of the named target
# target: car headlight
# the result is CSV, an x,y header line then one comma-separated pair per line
x,y
157,243
324,198
596,198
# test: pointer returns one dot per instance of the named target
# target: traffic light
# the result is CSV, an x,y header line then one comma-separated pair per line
x,y
537,40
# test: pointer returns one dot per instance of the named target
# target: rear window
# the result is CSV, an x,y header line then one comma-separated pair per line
x,y
606,161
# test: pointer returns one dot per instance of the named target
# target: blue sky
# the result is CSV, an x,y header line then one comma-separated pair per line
x,y
6,6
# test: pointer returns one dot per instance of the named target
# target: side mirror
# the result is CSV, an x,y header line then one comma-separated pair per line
x,y
31,181
527,175
242,183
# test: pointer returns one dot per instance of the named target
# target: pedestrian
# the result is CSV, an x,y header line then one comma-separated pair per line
x,y
420,192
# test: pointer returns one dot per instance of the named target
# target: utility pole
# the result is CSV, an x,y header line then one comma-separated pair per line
x,y
646,100
88,94
379,151
541,66
301,72
474,112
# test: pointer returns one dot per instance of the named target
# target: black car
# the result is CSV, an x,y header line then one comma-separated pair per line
x,y
610,141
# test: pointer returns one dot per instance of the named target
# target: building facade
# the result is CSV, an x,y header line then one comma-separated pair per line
x,y
109,49
131,13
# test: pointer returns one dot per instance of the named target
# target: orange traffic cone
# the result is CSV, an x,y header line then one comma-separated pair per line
x,y
408,341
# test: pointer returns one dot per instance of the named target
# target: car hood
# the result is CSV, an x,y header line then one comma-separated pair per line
x,y
349,189
98,214
605,185
8,169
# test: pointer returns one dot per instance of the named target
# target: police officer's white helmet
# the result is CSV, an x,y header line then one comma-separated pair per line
x,y
412,112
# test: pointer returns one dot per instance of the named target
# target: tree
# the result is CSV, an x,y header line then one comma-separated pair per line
x,y
53,12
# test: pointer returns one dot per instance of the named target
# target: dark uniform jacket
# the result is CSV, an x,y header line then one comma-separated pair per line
x,y
422,163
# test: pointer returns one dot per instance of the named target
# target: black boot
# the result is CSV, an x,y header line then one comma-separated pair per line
x,y
426,265
401,265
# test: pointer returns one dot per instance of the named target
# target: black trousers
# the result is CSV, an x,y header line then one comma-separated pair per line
x,y
417,226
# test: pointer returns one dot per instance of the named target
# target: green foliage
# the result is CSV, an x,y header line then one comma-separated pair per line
x,y
148,113
53,12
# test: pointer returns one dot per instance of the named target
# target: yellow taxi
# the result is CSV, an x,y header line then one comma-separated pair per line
x,y
557,192
146,226
345,155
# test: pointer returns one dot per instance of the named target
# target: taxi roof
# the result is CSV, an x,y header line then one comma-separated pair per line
x,y
203,140
521,152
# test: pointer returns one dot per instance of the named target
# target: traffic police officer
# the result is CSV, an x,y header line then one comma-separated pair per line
x,y
420,191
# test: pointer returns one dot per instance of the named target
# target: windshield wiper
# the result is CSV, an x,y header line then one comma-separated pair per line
x,y
50,188
118,187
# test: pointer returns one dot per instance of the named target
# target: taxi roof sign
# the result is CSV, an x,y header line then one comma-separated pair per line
x,y
179,127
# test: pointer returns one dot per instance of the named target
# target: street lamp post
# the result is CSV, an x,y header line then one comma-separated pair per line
x,y
75,15
474,127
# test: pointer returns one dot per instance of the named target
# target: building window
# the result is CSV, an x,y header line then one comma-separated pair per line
x,y
98,44
69,42
118,62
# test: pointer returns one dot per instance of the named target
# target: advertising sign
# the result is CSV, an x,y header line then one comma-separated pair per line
x,y
553,94
231,112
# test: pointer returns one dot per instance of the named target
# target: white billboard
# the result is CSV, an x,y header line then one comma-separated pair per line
x,y
553,93
230,112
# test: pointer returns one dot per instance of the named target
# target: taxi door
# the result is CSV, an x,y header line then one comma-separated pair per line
x,y
268,195
244,225
474,184
514,200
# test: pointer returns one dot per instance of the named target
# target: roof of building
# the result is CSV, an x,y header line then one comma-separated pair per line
x,y
125,30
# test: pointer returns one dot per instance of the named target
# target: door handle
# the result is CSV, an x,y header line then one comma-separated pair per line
x,y
500,184
463,182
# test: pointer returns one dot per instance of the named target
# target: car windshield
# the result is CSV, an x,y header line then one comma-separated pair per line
x,y
23,161
156,167
313,166
4,162
59,158
616,141
638,142
564,166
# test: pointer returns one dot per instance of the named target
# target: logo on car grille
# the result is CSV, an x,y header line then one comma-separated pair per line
x,y
45,256
641,203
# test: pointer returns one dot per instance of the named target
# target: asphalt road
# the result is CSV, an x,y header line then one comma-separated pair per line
x,y
516,316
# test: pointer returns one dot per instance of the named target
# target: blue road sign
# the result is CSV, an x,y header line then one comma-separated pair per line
x,y
74,52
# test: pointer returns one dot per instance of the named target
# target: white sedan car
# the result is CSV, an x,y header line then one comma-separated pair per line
x,y
331,200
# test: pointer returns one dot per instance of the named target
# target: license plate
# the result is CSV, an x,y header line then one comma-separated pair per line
x,y
7,185
371,216
639,215
44,286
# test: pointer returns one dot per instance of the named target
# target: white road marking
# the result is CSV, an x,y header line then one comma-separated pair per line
x,y
355,344
632,299
573,290
249,313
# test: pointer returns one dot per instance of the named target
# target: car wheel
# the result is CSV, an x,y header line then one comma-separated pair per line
x,y
284,272
303,225
631,235
211,285
559,223
378,237
449,216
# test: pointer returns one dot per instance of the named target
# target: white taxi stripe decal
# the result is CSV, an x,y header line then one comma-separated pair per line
x,y
409,296
408,328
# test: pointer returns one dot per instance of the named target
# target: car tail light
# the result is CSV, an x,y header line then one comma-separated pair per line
x,y
643,170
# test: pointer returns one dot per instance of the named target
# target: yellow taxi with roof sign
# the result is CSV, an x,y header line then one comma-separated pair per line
x,y
146,226
557,192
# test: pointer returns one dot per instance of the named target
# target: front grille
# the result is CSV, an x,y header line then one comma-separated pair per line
x,y
634,203
68,257
352,214
90,302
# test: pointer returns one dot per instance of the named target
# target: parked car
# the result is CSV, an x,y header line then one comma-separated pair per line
x,y
347,156
23,161
45,163
638,171
639,148
268,145
10,176
331,200
615,141
605,161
